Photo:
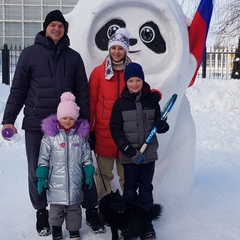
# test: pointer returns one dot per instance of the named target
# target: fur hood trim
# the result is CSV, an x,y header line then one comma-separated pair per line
x,y
50,126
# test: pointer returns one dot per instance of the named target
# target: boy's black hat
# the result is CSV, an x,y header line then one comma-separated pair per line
x,y
133,70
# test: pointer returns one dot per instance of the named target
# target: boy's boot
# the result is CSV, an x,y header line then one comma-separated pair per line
x,y
150,232
93,220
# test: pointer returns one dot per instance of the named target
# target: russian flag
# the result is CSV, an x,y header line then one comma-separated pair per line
x,y
198,31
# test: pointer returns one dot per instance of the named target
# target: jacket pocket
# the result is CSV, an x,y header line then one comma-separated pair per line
x,y
103,103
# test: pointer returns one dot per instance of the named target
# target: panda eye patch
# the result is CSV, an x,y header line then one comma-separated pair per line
x,y
150,35
106,31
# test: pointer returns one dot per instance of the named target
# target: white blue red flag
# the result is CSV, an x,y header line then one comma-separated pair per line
x,y
198,31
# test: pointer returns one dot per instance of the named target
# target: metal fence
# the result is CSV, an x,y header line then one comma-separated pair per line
x,y
8,60
217,63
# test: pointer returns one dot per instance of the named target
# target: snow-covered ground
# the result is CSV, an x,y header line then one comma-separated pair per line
x,y
208,212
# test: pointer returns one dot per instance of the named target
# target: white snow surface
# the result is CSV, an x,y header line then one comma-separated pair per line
x,y
209,211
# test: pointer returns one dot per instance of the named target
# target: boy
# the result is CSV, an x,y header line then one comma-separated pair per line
x,y
133,116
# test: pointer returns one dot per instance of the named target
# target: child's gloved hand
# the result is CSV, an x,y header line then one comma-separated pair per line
x,y
162,126
88,174
138,158
41,185
42,176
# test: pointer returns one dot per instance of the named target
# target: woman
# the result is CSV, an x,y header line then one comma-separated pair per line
x,y
105,85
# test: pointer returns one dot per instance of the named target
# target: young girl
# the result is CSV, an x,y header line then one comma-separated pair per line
x,y
64,166
133,116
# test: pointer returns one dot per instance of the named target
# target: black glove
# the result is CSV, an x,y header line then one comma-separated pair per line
x,y
128,150
92,140
138,157
155,96
133,153
162,126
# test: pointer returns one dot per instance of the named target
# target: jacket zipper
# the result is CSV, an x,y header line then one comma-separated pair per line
x,y
119,84
67,177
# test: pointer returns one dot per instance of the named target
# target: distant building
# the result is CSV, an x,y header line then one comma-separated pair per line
x,y
20,20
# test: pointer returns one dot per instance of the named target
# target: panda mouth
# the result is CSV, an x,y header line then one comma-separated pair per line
x,y
134,51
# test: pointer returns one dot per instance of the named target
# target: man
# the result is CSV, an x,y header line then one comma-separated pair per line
x,y
44,71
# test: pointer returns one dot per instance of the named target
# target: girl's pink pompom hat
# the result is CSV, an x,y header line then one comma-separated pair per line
x,y
67,107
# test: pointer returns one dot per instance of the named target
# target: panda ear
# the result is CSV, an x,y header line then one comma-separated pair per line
x,y
188,21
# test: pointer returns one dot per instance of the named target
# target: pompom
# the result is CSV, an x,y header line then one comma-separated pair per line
x,y
67,97
123,31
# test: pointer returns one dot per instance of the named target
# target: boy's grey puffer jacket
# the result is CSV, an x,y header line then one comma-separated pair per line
x,y
65,154
133,116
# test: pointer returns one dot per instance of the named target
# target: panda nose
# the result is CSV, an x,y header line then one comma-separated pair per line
x,y
132,41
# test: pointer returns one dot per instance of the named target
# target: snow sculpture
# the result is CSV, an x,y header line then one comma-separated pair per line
x,y
159,41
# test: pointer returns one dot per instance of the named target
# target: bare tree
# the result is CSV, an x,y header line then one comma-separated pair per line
x,y
189,7
226,30
225,23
